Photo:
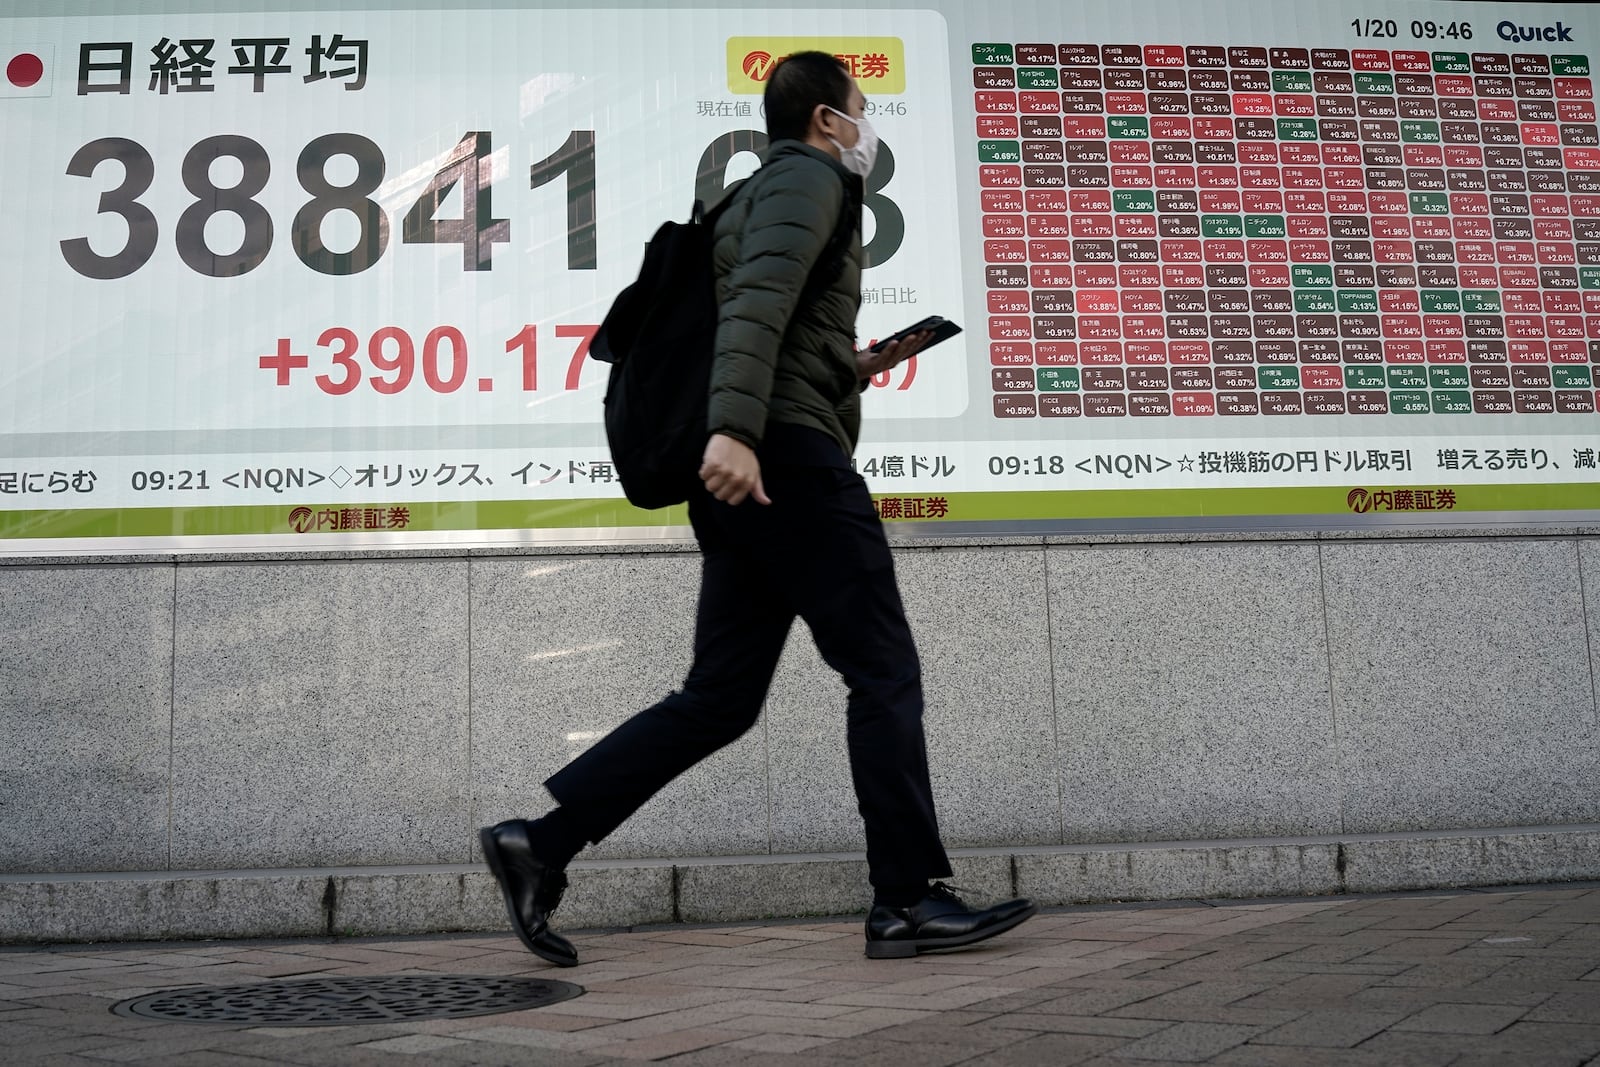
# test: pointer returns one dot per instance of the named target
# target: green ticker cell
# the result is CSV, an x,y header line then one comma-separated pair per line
x,y
1409,378
1277,378
1038,78
1452,402
1375,83
1000,151
1402,402
1126,127
1314,302
1454,377
1571,377
990,54
1589,277
1452,63
1358,301
1569,66
1265,226
1364,378
1221,226
1311,275
1441,302
1291,81
1419,131
1430,203
1481,301
1057,379
1297,129
1142,201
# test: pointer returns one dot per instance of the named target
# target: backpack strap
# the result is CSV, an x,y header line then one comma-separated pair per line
x,y
830,264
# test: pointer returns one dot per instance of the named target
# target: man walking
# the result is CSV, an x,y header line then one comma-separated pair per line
x,y
786,529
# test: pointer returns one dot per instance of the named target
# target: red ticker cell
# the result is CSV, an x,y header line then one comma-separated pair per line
x,y
1098,302
1556,254
1317,377
1096,200
1010,354
1005,252
1565,327
1370,59
1519,277
1563,302
1303,251
1574,89
1141,301
1056,353
1541,134
1441,327
1549,205
1399,301
1164,55
992,200
1083,227
1130,152
1009,302
1131,227
1100,353
1469,203
1048,200
1146,353
1409,62
1064,226
1219,202
1395,351
1586,206
996,176
1476,277
1010,328
1569,352
992,126
1269,275
1183,275
1490,110
995,103
1176,250
1446,352
1090,276
1575,110
1139,275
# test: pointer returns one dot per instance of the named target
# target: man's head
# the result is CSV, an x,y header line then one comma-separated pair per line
x,y
807,98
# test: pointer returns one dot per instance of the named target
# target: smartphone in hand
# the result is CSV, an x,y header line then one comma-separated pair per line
x,y
941,327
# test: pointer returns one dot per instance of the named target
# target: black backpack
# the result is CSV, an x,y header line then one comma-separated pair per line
x,y
660,337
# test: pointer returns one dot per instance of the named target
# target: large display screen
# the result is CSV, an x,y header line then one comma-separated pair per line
x,y
299,279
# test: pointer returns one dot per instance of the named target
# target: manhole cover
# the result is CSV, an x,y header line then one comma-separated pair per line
x,y
348,1001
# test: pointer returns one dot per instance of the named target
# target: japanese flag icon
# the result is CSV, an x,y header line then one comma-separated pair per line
x,y
30,69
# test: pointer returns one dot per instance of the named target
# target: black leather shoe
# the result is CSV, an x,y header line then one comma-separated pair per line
x,y
938,921
531,890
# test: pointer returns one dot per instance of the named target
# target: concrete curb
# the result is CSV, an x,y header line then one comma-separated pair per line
x,y
351,901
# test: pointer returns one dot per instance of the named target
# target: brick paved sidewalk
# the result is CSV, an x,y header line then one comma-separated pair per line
x,y
1502,977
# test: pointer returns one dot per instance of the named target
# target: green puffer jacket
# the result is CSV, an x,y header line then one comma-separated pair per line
x,y
775,361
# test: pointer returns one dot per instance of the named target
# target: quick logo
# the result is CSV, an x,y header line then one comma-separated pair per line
x,y
1510,31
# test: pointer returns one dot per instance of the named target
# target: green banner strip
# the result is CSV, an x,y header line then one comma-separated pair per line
x,y
1330,501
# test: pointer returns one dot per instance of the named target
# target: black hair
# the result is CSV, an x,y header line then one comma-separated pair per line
x,y
797,85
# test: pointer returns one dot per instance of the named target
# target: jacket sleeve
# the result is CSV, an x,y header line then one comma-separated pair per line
x,y
791,216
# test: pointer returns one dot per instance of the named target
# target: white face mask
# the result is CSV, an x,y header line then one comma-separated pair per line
x,y
859,157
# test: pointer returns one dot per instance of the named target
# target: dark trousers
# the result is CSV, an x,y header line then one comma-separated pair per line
x,y
817,552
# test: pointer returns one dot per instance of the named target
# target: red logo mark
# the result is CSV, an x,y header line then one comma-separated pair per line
x,y
758,65
24,70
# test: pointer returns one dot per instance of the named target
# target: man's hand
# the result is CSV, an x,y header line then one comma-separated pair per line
x,y
731,470
891,355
